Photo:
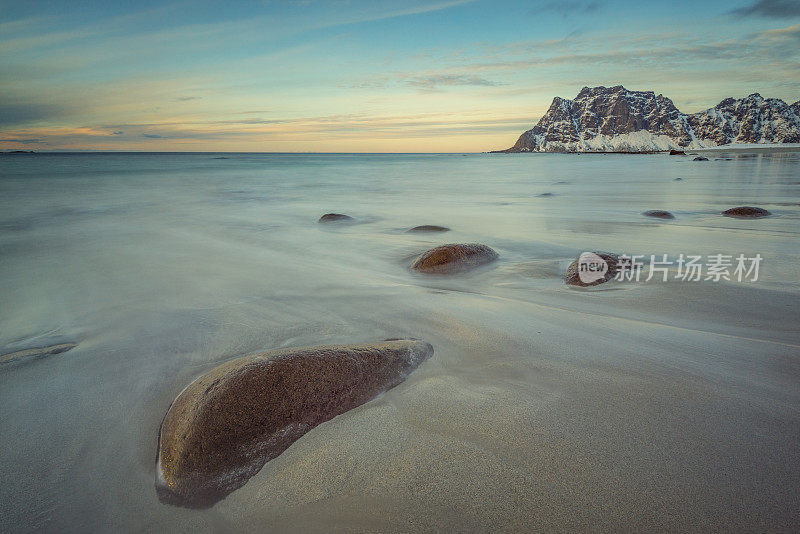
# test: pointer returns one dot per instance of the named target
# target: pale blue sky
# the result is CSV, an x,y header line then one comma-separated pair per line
x,y
425,75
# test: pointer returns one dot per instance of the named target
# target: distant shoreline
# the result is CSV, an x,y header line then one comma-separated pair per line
x,y
732,148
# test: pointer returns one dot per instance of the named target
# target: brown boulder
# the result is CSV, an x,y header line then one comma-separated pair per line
x,y
333,217
453,258
659,214
677,153
429,228
227,424
748,212
573,278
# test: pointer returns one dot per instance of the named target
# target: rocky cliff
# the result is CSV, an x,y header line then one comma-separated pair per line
x,y
614,119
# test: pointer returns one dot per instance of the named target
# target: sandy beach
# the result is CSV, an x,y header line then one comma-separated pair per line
x,y
636,406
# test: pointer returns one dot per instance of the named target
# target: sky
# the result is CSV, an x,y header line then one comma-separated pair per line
x,y
364,76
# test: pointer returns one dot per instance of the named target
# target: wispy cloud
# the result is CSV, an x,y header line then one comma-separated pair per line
x,y
777,9
566,8
377,14
152,136
24,141
434,81
14,112
789,32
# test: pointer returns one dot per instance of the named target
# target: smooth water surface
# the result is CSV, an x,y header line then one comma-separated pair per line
x,y
637,406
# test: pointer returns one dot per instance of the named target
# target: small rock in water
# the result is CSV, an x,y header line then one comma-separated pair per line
x,y
700,158
545,195
453,258
333,217
227,424
678,179
748,212
677,153
573,277
36,353
660,214
428,228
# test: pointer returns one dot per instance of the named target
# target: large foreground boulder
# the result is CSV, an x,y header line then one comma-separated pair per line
x,y
227,424
746,212
453,258
589,260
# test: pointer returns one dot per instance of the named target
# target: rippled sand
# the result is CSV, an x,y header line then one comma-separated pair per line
x,y
650,406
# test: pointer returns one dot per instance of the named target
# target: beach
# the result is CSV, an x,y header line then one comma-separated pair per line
x,y
650,405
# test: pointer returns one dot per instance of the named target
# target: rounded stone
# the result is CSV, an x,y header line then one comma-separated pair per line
x,y
746,212
572,276
223,427
659,214
453,258
334,217
428,228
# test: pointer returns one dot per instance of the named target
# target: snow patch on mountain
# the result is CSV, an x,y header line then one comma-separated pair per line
x,y
614,119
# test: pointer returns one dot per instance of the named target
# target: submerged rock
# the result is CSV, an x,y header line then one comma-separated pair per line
x,y
428,228
748,212
700,158
660,214
333,217
453,258
545,195
678,179
36,353
227,424
573,276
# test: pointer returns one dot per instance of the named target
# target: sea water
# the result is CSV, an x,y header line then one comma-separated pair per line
x,y
633,405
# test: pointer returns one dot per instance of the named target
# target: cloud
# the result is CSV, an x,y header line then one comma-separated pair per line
x,y
569,7
790,32
118,132
665,52
25,141
187,98
404,12
152,136
13,113
770,9
433,81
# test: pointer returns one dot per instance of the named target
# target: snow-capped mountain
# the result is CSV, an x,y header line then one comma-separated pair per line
x,y
614,119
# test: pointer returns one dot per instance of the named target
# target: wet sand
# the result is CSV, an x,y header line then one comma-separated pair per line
x,y
650,406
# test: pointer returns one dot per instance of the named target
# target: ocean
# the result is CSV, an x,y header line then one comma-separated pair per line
x,y
632,405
